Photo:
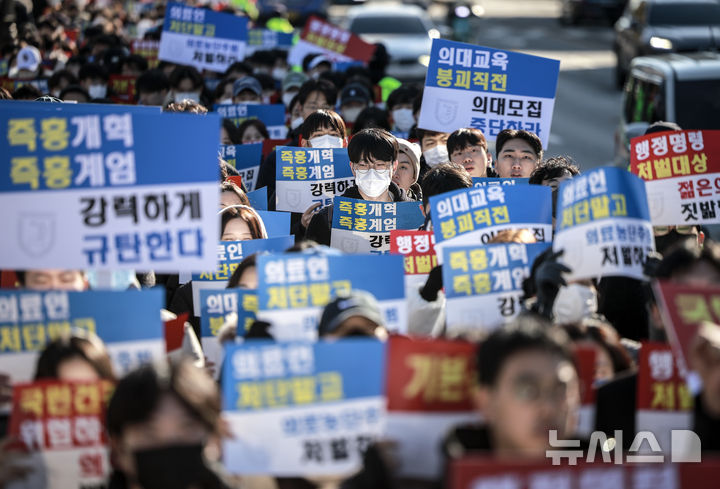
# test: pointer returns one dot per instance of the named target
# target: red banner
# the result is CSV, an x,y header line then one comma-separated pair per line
x,y
122,88
675,154
418,248
660,387
336,40
430,375
148,50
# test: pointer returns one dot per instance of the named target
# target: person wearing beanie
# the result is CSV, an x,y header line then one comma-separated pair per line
x,y
408,170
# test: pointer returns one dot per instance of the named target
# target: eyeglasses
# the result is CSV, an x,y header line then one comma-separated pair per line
x,y
665,230
363,166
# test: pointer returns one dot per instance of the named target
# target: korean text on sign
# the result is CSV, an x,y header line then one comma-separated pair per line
x,y
361,226
306,176
682,176
246,159
488,181
488,89
483,284
127,321
99,187
603,224
475,215
335,43
202,38
301,408
273,116
293,289
417,248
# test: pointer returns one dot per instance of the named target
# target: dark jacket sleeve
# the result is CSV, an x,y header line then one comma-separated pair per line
x,y
319,228
182,302
615,404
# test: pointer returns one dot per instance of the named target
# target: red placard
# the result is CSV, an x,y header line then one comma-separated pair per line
x,y
418,248
674,154
148,50
585,361
122,88
430,375
269,145
490,473
660,387
684,308
53,415
336,40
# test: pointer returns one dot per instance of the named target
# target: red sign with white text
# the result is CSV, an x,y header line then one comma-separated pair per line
x,y
418,249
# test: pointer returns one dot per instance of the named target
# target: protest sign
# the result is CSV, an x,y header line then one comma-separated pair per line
x,y
127,321
305,176
273,116
418,251
122,88
361,226
429,390
263,39
148,49
335,43
682,176
302,409
664,401
11,84
215,306
475,215
229,256
202,38
487,181
488,89
483,284
603,224
277,224
63,426
485,472
258,199
684,308
98,186
294,288
246,159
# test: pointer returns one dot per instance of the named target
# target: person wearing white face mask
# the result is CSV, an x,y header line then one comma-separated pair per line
x,y
400,106
434,149
291,84
94,78
187,84
373,160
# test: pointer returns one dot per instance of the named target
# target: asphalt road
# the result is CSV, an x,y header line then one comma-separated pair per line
x,y
587,106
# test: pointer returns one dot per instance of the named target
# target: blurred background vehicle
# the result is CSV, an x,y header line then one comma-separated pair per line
x,y
661,26
405,30
572,12
680,88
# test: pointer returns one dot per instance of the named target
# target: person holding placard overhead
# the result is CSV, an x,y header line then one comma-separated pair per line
x,y
373,160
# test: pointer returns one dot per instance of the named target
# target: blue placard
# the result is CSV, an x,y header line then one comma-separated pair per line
x,y
276,223
28,319
200,22
476,210
603,193
603,224
246,159
258,199
477,68
361,226
271,115
335,372
94,146
308,164
231,253
488,269
268,39
488,181
215,304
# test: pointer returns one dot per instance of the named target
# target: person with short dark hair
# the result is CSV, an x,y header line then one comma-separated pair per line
x,y
518,153
400,107
229,132
469,148
27,92
160,420
152,88
434,149
133,65
551,173
528,386
371,117
59,80
186,82
443,178
373,160
316,95
78,356
94,79
253,131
